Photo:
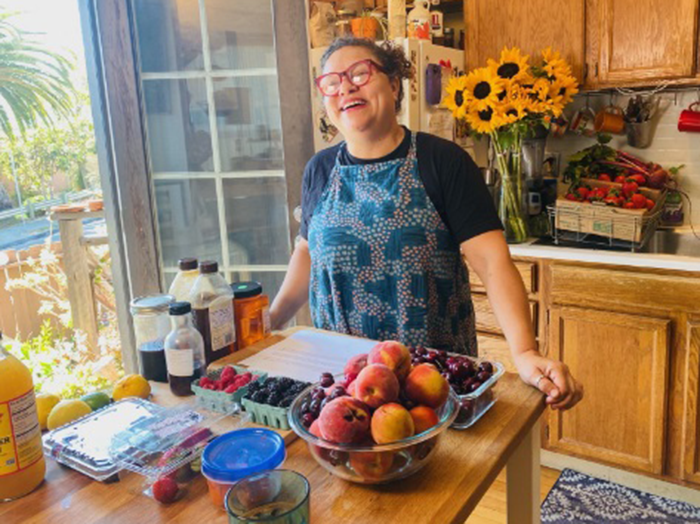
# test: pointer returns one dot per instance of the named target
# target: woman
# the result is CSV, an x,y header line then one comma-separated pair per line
x,y
386,217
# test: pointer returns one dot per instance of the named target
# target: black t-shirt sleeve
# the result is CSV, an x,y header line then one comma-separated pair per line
x,y
316,175
455,185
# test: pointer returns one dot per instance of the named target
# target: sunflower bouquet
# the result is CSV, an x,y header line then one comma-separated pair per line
x,y
509,100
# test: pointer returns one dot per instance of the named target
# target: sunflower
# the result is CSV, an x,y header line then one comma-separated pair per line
x,y
557,69
511,111
562,90
482,87
455,100
483,120
548,55
511,66
540,89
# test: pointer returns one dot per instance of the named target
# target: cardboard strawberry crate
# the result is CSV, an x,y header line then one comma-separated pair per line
x,y
630,225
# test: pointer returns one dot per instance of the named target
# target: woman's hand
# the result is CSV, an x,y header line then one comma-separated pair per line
x,y
551,377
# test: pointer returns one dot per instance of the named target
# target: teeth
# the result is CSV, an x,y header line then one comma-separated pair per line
x,y
353,104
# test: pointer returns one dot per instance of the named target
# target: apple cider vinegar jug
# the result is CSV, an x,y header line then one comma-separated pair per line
x,y
22,465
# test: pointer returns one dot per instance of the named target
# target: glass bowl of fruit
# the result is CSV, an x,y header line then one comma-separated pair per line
x,y
472,379
353,428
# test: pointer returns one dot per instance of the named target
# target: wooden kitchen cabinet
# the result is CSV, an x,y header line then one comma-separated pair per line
x,y
531,26
623,360
631,42
691,411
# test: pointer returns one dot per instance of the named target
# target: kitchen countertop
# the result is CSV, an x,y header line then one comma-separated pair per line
x,y
602,256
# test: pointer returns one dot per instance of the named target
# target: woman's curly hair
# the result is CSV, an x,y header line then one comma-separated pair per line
x,y
391,57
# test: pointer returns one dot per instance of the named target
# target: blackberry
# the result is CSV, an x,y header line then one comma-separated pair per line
x,y
274,399
259,396
286,402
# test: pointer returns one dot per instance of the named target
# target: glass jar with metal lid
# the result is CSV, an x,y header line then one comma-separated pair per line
x,y
151,325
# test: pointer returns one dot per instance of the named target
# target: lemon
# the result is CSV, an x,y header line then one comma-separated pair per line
x,y
131,386
44,404
96,400
67,411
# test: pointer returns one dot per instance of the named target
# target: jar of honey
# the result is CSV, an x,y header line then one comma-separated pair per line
x,y
251,311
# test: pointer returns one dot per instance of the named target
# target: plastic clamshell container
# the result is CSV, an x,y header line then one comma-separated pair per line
x,y
83,445
167,445
473,406
238,454
221,401
266,415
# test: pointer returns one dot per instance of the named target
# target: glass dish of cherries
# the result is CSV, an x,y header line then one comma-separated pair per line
x,y
471,378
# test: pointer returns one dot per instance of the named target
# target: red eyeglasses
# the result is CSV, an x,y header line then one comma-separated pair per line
x,y
358,74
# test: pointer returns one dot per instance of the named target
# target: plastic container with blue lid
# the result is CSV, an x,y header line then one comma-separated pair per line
x,y
238,454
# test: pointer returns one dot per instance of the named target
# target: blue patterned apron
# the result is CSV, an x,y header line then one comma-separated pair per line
x,y
383,264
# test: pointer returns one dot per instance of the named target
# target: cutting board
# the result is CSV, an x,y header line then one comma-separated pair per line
x,y
300,353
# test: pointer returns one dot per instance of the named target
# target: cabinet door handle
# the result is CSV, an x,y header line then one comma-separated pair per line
x,y
585,71
596,69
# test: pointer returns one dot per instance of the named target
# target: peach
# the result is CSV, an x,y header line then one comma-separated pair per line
x,y
394,355
344,420
355,365
425,385
315,430
352,388
376,385
371,465
424,418
391,422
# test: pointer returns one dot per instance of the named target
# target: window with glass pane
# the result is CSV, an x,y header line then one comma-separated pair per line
x,y
212,112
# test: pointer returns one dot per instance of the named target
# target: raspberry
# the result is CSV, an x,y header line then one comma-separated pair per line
x,y
227,374
231,389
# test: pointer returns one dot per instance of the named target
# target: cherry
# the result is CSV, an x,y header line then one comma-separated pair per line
x,y
474,386
318,395
327,381
307,419
483,376
486,366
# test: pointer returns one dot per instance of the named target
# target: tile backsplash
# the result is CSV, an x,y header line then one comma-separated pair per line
x,y
669,147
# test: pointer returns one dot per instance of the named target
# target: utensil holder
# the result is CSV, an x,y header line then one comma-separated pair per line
x,y
640,135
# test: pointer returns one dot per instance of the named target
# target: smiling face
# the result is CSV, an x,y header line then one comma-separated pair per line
x,y
368,110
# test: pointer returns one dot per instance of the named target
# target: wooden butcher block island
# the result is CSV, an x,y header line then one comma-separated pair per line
x,y
445,491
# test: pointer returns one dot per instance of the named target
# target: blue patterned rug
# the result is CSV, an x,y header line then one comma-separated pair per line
x,y
578,498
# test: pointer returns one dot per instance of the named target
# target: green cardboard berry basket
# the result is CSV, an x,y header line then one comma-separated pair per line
x,y
271,416
220,401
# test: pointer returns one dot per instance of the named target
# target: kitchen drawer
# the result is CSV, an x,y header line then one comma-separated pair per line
x,y
486,319
623,288
527,270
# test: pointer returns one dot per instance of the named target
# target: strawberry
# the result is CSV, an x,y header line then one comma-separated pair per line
x,y
582,192
611,200
165,490
620,179
571,196
639,201
650,203
629,188
639,179
604,177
